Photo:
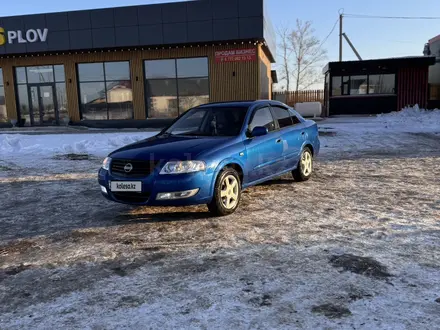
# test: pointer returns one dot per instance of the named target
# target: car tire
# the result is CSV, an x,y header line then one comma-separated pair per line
x,y
227,193
304,169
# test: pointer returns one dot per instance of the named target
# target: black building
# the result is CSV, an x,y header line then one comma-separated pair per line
x,y
376,86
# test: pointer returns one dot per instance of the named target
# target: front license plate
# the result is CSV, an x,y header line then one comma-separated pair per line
x,y
126,186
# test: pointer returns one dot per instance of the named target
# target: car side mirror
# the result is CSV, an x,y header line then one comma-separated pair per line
x,y
259,131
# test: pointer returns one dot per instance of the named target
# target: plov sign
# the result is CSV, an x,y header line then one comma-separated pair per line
x,y
22,37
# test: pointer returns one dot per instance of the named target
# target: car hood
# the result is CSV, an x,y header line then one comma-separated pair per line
x,y
169,147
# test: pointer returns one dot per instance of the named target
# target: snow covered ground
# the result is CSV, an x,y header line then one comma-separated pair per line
x,y
22,148
412,131
356,247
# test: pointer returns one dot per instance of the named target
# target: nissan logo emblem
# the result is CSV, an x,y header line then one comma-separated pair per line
x,y
128,168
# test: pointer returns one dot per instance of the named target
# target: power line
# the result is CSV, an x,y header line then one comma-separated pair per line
x,y
392,17
403,42
328,36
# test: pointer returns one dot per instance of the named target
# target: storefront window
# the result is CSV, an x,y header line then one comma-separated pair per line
x,y
192,67
358,85
20,76
193,82
162,98
160,69
336,86
381,84
193,92
93,101
117,71
105,90
120,99
62,101
40,74
3,113
41,92
364,84
23,104
174,86
59,73
345,85
91,72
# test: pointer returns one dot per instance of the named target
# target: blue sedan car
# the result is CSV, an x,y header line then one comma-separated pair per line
x,y
210,154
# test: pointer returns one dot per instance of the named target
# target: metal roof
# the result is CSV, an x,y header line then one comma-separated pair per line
x,y
408,61
178,23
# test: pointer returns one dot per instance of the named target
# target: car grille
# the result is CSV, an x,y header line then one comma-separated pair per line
x,y
131,197
140,168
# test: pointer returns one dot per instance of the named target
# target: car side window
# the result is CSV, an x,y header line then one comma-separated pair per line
x,y
295,119
262,117
282,116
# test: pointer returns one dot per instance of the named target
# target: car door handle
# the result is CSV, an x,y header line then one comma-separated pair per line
x,y
279,141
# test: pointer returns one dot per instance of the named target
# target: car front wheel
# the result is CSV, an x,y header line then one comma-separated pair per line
x,y
227,193
304,170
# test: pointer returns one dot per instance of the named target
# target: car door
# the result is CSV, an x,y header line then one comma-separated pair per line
x,y
264,153
291,135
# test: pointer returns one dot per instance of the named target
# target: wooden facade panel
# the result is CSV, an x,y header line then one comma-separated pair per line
x,y
8,77
137,84
72,90
228,81
265,59
234,81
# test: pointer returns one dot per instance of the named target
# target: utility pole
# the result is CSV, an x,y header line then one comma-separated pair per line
x,y
341,16
352,47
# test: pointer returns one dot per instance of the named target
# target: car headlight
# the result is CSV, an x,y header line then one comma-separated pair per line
x,y
180,167
106,163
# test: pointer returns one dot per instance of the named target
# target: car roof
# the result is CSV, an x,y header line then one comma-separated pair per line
x,y
246,104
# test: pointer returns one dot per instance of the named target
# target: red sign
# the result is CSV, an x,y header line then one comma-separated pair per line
x,y
236,55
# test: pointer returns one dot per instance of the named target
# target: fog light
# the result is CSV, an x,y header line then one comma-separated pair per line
x,y
104,189
177,194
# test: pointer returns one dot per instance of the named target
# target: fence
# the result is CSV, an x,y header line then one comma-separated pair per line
x,y
290,98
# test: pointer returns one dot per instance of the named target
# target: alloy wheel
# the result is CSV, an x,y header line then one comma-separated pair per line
x,y
229,192
306,163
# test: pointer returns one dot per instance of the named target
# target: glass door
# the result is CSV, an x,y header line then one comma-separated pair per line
x,y
34,105
48,107
43,105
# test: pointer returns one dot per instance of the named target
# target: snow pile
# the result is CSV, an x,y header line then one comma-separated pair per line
x,y
10,143
388,133
53,144
412,119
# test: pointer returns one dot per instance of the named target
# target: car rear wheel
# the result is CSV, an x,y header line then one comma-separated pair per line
x,y
227,193
304,170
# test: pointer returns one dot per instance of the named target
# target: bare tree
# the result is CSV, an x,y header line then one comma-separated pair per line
x,y
308,53
286,55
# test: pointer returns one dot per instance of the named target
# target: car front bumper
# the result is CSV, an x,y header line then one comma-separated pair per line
x,y
155,184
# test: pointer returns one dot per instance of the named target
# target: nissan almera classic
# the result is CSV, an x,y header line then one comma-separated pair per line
x,y
210,154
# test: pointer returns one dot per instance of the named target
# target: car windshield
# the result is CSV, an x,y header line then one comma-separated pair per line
x,y
210,121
